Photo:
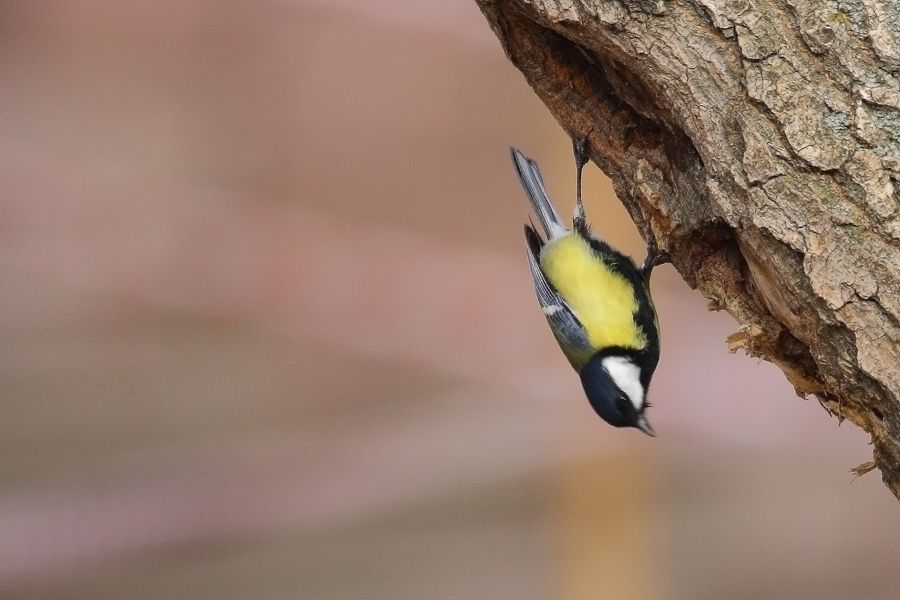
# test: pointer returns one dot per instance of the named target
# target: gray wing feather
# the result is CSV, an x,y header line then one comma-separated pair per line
x,y
566,327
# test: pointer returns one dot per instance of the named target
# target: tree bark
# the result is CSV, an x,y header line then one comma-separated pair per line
x,y
758,142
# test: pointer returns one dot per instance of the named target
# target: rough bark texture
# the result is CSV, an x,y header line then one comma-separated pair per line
x,y
759,143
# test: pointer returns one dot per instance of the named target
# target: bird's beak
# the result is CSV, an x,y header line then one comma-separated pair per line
x,y
644,426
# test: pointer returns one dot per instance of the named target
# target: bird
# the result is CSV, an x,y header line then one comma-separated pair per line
x,y
596,301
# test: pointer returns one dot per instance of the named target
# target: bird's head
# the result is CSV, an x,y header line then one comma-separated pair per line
x,y
613,386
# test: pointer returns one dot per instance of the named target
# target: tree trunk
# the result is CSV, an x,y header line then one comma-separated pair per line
x,y
758,142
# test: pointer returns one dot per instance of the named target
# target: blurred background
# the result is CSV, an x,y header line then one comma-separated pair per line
x,y
267,331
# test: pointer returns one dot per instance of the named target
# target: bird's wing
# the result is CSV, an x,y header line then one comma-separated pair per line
x,y
567,329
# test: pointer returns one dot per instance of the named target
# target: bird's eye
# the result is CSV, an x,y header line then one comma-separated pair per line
x,y
622,403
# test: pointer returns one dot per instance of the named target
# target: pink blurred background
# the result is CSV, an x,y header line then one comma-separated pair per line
x,y
267,331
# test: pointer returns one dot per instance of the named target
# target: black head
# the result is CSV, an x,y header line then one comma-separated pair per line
x,y
612,385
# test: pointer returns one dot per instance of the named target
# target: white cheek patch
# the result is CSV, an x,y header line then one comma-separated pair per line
x,y
627,376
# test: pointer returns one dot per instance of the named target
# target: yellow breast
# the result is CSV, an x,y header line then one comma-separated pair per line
x,y
602,299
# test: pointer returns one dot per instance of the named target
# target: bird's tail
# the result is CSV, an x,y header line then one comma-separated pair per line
x,y
530,177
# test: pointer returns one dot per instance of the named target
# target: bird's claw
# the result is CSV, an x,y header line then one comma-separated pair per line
x,y
579,148
655,257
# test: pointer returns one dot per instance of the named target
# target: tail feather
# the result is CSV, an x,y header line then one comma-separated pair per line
x,y
534,241
531,180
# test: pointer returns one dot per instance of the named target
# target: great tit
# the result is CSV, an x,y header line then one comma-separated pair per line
x,y
596,300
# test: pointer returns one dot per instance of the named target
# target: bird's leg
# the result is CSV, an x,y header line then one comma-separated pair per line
x,y
655,257
579,146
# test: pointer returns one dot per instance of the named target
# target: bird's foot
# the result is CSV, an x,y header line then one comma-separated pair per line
x,y
655,257
580,149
